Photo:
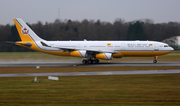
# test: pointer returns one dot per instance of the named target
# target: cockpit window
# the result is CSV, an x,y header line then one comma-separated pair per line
x,y
166,45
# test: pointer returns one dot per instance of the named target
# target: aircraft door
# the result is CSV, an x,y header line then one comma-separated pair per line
x,y
122,46
156,47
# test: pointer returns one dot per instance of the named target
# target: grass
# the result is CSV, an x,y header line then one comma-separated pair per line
x,y
117,90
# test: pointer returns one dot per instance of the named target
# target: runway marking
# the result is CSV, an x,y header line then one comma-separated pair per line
x,y
94,73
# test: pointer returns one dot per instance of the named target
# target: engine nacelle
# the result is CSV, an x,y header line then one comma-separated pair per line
x,y
105,56
79,53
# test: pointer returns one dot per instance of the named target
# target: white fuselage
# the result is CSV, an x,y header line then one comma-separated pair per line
x,y
103,45
122,48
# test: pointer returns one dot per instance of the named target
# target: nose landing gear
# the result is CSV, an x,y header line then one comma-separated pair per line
x,y
155,59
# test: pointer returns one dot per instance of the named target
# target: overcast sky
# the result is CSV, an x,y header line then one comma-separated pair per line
x,y
32,11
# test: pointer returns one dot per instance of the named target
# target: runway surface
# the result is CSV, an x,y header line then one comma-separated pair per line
x,y
93,73
102,64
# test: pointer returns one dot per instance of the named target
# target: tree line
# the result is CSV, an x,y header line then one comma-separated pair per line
x,y
91,30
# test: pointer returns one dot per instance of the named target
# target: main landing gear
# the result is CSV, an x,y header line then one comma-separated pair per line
x,y
90,61
155,59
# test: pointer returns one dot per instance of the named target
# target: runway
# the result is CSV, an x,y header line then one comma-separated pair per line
x,y
93,73
102,64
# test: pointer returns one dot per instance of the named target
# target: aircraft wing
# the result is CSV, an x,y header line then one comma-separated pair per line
x,y
64,48
101,51
88,50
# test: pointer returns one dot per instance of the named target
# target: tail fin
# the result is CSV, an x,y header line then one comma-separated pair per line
x,y
25,32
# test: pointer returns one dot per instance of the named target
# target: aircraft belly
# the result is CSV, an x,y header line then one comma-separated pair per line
x,y
144,53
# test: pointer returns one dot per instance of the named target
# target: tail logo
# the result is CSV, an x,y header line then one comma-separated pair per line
x,y
25,31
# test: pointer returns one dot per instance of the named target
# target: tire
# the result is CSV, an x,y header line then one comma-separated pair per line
x,y
84,61
90,61
154,61
96,61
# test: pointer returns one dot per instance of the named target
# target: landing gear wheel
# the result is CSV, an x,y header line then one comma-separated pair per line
x,y
90,61
154,61
96,61
84,62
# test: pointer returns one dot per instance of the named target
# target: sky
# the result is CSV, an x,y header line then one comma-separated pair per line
x,y
32,11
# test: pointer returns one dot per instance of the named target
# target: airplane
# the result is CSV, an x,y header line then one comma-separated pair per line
x,y
92,50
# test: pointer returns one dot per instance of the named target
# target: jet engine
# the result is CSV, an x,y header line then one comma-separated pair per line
x,y
105,56
79,53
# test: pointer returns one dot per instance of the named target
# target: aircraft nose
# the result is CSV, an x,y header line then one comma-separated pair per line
x,y
171,49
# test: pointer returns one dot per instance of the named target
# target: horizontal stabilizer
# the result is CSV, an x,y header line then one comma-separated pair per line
x,y
27,44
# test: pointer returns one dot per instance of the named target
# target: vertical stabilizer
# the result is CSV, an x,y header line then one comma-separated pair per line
x,y
25,32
